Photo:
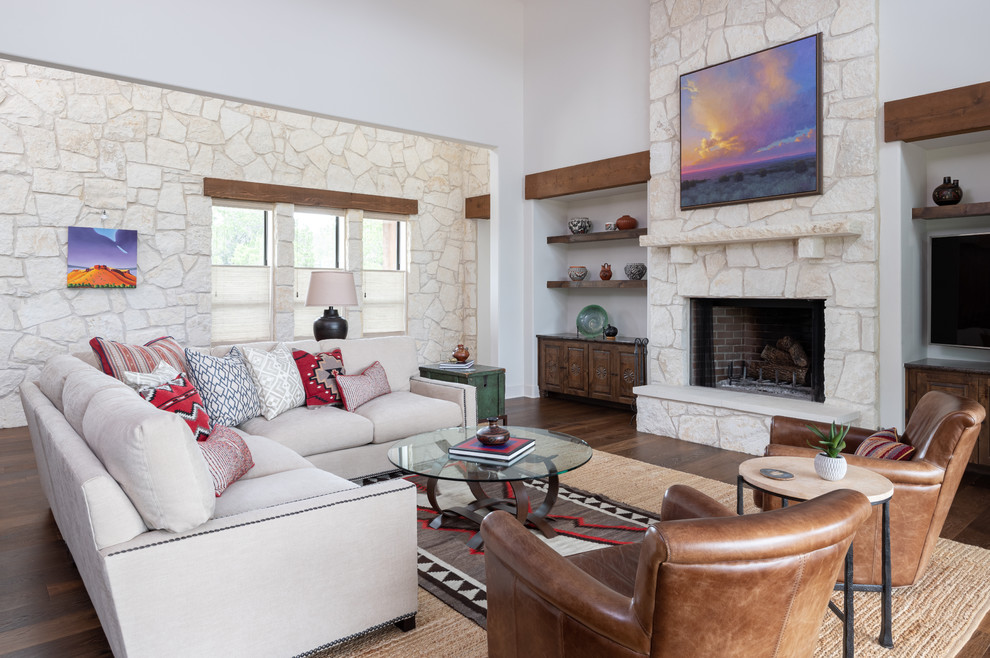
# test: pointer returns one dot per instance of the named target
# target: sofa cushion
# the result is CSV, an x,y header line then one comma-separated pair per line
x,y
226,386
163,372
270,456
356,390
51,381
311,431
117,358
180,398
81,386
227,457
276,378
318,373
401,413
153,456
397,354
248,495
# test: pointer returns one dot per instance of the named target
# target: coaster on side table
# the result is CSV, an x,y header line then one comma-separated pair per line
x,y
776,474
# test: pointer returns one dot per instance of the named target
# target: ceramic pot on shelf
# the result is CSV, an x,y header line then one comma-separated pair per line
x,y
577,272
635,271
461,354
606,272
948,193
579,224
830,468
626,222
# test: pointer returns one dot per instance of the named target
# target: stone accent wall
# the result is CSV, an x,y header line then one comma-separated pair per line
x,y
688,35
74,145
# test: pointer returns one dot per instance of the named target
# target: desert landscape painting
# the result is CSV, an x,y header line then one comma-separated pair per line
x,y
750,127
102,258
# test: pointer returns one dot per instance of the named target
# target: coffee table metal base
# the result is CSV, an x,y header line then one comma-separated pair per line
x,y
517,504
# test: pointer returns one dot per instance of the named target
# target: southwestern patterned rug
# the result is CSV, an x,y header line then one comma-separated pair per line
x,y
932,619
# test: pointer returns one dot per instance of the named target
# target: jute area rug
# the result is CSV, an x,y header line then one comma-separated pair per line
x,y
932,619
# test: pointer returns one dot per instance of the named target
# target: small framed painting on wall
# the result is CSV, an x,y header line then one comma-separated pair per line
x,y
751,127
102,258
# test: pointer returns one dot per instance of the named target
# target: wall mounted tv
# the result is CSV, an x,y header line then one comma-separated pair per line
x,y
959,290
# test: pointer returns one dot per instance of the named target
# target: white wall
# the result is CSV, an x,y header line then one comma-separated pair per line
x,y
920,54
447,68
586,89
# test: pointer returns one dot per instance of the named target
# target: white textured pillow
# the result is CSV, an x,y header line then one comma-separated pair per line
x,y
162,374
280,387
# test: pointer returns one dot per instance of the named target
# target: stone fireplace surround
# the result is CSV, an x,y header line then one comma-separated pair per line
x,y
814,247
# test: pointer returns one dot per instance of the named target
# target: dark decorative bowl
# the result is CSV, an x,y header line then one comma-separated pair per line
x,y
493,435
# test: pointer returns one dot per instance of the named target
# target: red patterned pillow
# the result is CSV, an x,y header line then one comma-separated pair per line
x,y
318,372
117,358
227,457
355,390
883,444
181,398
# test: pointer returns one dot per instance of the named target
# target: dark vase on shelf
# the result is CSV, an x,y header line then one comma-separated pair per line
x,y
948,193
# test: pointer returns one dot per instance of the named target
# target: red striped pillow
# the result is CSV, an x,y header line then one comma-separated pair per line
x,y
117,358
227,457
883,444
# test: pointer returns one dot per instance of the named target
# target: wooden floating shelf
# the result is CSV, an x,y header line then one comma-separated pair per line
x,y
641,283
599,236
947,212
605,174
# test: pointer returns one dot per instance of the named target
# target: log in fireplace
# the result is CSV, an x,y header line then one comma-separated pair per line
x,y
767,346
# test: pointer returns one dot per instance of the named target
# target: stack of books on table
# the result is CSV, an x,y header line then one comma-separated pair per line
x,y
453,365
502,455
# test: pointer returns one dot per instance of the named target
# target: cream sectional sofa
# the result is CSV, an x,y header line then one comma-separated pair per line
x,y
291,558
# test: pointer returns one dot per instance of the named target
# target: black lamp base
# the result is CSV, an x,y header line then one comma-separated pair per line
x,y
330,325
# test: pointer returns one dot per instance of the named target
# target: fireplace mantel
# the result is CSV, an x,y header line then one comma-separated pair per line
x,y
833,229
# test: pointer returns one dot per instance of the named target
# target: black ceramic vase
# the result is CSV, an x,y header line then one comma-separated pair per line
x,y
948,193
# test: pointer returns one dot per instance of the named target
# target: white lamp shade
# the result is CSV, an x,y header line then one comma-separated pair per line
x,y
331,289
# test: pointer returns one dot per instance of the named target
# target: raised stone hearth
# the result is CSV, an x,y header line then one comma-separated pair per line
x,y
810,248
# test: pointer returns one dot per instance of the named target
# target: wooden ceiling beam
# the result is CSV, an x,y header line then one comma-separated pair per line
x,y
599,175
950,112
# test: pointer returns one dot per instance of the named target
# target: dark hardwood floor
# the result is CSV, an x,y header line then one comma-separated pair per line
x,y
45,611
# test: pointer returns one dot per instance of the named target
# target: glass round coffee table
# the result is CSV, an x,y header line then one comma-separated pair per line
x,y
552,455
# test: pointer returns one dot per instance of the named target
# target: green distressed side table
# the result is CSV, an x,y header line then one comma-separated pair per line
x,y
488,381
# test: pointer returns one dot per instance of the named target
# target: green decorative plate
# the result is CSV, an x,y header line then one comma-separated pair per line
x,y
591,320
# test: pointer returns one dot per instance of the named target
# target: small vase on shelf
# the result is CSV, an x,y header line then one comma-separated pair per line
x,y
948,193
606,272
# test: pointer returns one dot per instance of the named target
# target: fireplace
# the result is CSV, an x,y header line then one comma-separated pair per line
x,y
766,346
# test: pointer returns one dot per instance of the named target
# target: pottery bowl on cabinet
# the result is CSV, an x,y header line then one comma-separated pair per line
x,y
577,272
579,224
635,271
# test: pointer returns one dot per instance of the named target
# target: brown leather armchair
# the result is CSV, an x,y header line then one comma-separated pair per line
x,y
943,429
703,582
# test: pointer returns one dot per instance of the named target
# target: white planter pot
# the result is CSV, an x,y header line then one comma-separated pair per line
x,y
830,468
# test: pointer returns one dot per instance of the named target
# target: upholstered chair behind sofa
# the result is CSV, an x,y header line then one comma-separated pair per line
x,y
942,429
703,582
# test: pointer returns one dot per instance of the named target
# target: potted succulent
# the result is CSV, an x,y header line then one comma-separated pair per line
x,y
829,463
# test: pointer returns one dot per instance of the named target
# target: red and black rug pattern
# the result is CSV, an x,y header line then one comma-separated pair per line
x,y
455,574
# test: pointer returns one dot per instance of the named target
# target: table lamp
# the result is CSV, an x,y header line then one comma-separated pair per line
x,y
330,289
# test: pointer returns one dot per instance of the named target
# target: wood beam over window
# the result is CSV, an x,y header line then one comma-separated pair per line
x,y
219,188
478,207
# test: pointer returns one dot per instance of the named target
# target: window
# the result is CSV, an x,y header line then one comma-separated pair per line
x,y
242,275
318,245
384,265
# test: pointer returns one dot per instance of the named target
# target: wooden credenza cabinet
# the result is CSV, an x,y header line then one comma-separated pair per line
x,y
597,369
964,378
